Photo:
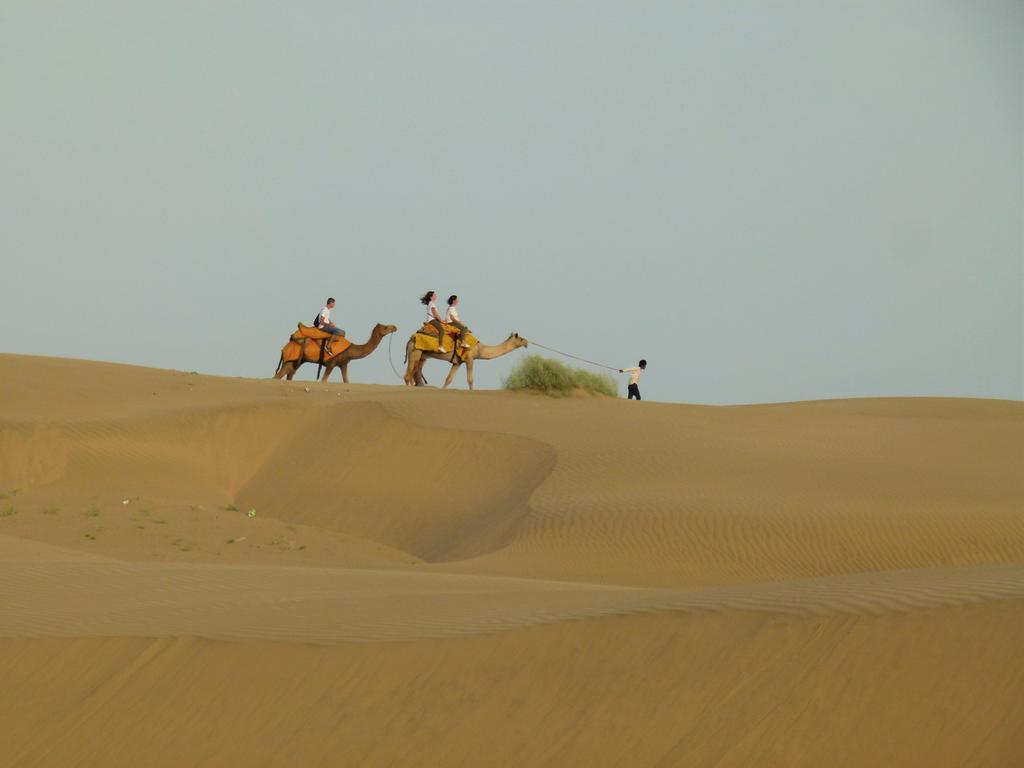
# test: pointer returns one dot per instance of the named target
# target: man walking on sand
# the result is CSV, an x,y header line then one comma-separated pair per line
x,y
634,379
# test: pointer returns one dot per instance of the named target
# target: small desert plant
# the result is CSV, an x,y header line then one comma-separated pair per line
x,y
551,377
231,508
51,510
8,512
93,511
183,545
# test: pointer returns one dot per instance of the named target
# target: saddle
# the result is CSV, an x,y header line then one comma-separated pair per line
x,y
309,332
311,344
426,340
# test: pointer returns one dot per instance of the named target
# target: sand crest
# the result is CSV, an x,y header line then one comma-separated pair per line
x,y
453,578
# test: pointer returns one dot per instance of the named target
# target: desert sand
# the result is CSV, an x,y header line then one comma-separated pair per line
x,y
501,579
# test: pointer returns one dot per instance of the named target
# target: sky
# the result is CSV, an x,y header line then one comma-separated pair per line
x,y
767,201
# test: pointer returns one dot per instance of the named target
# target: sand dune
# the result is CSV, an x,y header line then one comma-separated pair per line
x,y
453,578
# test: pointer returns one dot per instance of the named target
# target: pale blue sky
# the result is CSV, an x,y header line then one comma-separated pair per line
x,y
769,201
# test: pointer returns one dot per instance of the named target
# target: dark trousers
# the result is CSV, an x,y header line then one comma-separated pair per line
x,y
634,391
460,326
442,334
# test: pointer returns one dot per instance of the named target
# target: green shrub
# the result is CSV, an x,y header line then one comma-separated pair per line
x,y
553,378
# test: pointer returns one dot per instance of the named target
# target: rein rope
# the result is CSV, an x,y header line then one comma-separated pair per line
x,y
391,360
574,357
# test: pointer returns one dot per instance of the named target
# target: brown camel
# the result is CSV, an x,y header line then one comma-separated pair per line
x,y
415,358
311,354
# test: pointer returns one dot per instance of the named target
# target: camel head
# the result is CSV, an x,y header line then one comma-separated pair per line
x,y
383,330
517,340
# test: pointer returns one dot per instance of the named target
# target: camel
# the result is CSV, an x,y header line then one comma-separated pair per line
x,y
415,358
340,360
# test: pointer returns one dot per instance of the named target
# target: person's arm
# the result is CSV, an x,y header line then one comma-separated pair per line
x,y
628,370
433,311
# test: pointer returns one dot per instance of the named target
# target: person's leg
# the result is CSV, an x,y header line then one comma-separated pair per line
x,y
462,331
334,331
634,391
441,335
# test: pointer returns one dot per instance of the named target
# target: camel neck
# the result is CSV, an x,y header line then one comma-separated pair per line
x,y
361,350
489,353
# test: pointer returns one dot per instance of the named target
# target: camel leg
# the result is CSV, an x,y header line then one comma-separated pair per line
x,y
451,375
328,367
418,377
414,372
344,371
410,366
469,372
292,368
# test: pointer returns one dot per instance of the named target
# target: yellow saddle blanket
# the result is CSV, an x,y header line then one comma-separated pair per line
x,y
426,339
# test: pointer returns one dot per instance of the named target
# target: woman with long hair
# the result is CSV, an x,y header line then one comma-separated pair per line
x,y
428,299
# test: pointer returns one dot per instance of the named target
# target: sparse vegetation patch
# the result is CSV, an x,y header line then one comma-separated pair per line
x,y
553,378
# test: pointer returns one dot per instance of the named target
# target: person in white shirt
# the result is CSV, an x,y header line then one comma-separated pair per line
x,y
452,318
323,322
434,318
634,379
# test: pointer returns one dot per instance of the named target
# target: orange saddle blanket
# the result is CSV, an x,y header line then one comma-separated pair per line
x,y
309,332
305,344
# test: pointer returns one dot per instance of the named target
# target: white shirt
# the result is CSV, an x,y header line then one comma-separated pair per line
x,y
634,374
431,310
452,315
325,316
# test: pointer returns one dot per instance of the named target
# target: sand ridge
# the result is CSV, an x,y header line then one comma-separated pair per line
x,y
578,581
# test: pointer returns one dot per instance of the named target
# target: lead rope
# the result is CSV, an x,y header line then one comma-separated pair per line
x,y
391,360
401,378
574,357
